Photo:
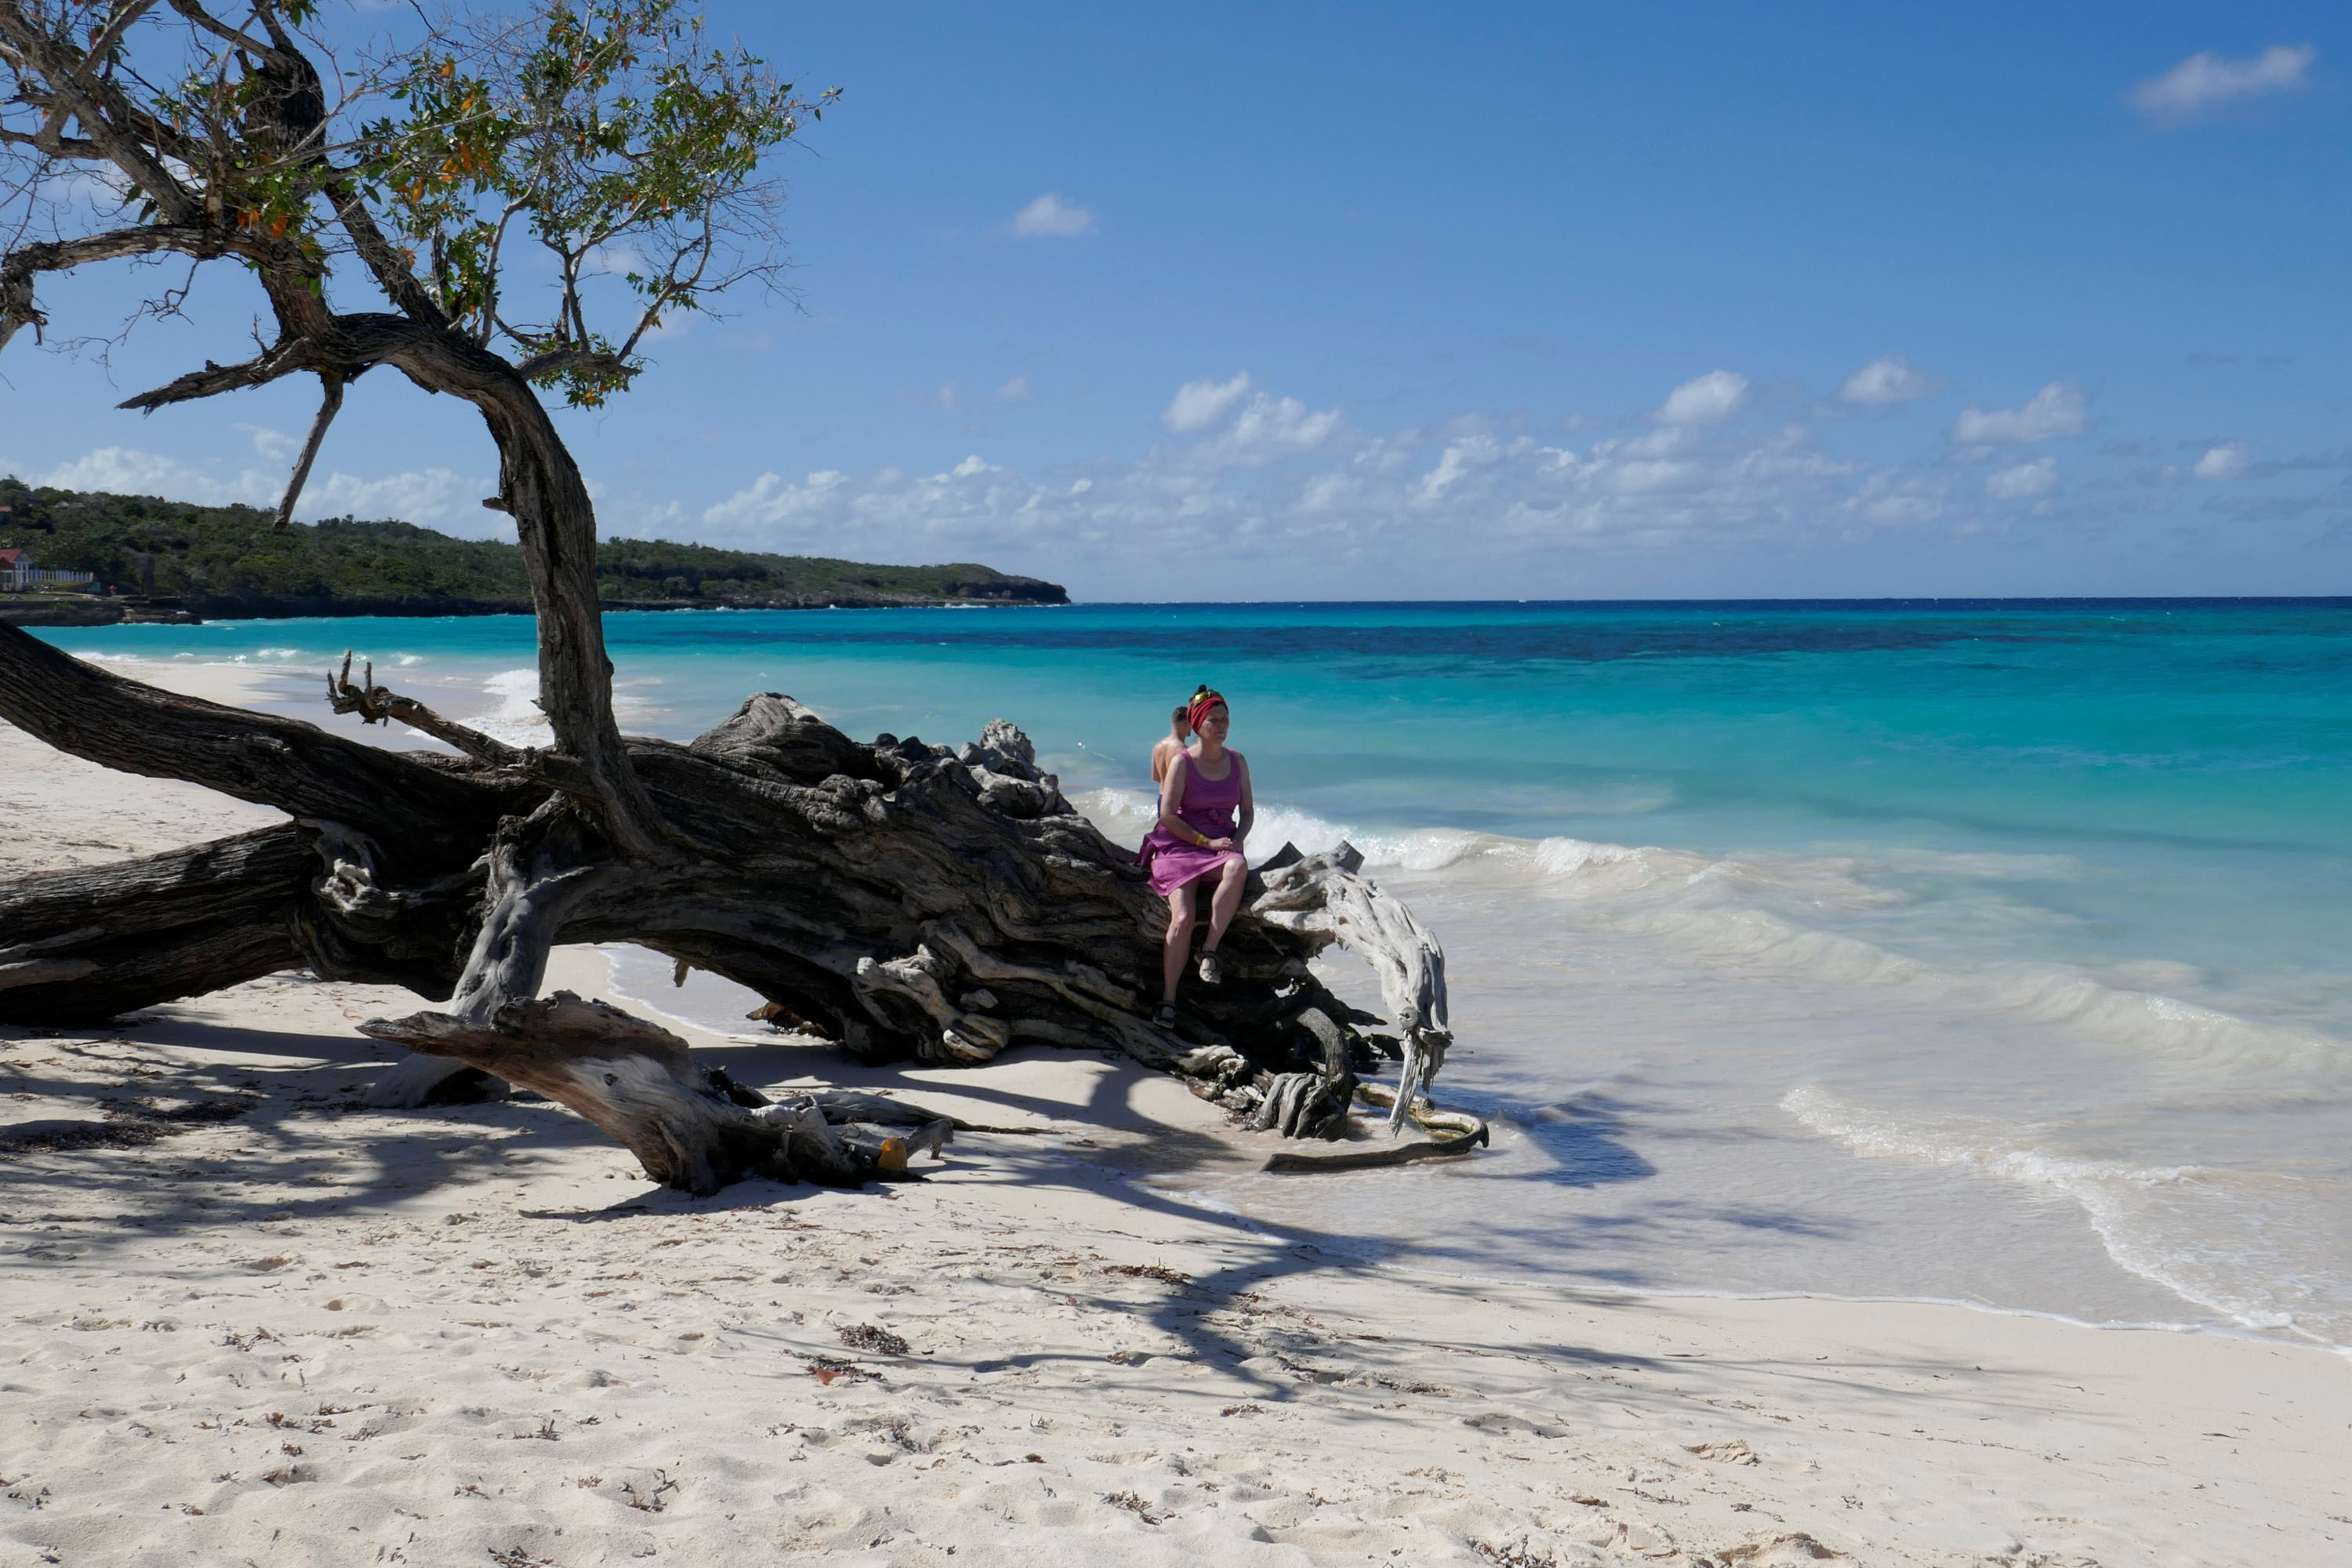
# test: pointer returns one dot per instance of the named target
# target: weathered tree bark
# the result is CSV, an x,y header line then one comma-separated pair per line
x,y
83,945
910,902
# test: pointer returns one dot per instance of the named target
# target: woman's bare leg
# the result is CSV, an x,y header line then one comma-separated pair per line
x,y
1231,878
1179,940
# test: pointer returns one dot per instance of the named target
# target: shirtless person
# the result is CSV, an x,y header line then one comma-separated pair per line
x,y
1172,744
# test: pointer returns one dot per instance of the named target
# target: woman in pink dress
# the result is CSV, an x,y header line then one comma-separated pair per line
x,y
1205,809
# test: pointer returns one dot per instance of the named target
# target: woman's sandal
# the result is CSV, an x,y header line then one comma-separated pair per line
x,y
1211,972
1166,1017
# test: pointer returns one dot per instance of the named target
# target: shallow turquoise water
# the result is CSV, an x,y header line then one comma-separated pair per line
x,y
1987,952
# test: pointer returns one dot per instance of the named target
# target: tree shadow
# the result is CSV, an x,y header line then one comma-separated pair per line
x,y
293,1157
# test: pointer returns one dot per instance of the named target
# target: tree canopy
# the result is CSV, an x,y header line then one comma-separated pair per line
x,y
612,140
608,135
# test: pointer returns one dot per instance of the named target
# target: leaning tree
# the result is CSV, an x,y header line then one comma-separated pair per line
x,y
910,901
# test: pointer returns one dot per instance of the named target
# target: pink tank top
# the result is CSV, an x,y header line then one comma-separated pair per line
x,y
1208,805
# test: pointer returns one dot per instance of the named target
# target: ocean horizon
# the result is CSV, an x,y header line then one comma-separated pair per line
x,y
1968,950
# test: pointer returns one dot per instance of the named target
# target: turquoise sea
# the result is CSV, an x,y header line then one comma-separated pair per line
x,y
1990,951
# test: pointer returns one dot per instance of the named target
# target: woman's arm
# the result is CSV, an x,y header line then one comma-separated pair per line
x,y
1249,802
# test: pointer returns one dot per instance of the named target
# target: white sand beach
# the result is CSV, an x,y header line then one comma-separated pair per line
x,y
316,1334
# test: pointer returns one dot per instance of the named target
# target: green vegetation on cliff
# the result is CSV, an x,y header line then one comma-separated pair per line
x,y
228,560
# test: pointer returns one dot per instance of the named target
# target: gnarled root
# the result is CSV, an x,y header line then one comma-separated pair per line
x,y
1451,1133
1324,896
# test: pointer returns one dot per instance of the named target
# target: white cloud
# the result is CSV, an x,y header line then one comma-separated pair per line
x,y
276,446
1708,399
1014,391
634,514
2037,478
1051,217
616,260
429,496
771,500
1459,459
127,471
1269,428
419,495
2057,410
2206,80
1280,490
1201,403
1892,499
947,394
1888,379
2229,460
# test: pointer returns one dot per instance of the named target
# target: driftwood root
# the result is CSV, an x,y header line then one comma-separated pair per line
x,y
688,1126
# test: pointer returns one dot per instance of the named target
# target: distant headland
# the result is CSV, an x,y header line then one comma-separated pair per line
x,y
148,559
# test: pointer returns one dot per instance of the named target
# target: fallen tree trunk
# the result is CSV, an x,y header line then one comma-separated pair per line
x,y
89,943
402,799
910,902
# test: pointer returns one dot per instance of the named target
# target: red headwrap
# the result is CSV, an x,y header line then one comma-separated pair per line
x,y
1199,709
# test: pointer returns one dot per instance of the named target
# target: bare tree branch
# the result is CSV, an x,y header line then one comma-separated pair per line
x,y
330,404
490,321
52,141
61,65
556,361
220,29
377,705
383,261
22,265
282,359
102,43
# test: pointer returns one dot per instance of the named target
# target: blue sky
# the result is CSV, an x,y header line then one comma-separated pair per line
x,y
1470,300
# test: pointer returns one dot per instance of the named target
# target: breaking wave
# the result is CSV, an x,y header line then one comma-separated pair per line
x,y
2254,1246
1773,911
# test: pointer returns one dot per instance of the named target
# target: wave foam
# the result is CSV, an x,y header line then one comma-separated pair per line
x,y
517,719
2251,1247
1750,911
